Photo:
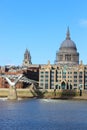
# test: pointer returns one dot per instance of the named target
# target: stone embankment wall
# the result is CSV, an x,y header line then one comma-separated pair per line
x,y
53,94
65,94
60,93
25,93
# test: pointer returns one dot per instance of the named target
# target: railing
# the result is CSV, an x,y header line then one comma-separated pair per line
x,y
23,79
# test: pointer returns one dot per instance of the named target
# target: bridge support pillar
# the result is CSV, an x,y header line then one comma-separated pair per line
x,y
12,94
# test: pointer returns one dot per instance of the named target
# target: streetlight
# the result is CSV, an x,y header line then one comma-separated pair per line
x,y
80,88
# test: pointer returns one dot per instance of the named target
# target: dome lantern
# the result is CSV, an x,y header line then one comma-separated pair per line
x,y
68,34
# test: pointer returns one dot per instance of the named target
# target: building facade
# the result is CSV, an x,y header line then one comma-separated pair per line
x,y
63,77
66,73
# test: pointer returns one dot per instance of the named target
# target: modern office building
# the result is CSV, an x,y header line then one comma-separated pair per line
x,y
66,73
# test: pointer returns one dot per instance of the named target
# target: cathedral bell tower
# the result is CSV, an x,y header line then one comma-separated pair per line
x,y
27,58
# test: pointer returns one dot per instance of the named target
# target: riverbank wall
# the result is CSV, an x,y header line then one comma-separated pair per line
x,y
48,94
23,93
65,94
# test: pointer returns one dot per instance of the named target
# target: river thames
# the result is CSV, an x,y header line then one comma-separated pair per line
x,y
43,114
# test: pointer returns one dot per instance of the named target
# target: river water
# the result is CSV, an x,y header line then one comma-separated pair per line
x,y
43,114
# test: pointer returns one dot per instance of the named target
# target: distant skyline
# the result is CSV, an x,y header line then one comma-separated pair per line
x,y
40,26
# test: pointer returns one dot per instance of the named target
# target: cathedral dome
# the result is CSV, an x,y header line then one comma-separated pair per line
x,y
68,44
67,53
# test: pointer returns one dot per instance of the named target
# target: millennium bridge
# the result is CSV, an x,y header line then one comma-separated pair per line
x,y
12,95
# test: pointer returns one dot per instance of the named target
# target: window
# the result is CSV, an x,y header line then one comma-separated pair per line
x,y
52,80
80,81
41,80
68,57
80,73
52,72
41,76
75,72
42,72
46,72
75,80
46,80
46,76
46,86
75,77
80,76
64,76
75,84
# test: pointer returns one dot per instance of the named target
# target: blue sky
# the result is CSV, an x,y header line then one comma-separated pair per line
x,y
40,26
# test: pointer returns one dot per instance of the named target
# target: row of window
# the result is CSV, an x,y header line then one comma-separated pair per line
x,y
52,77
75,73
64,76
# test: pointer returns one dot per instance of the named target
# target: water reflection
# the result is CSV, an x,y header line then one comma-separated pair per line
x,y
40,114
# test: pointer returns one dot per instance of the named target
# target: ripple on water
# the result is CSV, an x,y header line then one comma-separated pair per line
x,y
42,114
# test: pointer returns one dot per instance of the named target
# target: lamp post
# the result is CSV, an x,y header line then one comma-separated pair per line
x,y
80,88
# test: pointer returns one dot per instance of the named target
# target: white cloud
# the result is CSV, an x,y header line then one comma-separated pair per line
x,y
83,22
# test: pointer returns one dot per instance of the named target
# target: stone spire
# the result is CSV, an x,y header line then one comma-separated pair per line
x,y
68,34
27,55
27,58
